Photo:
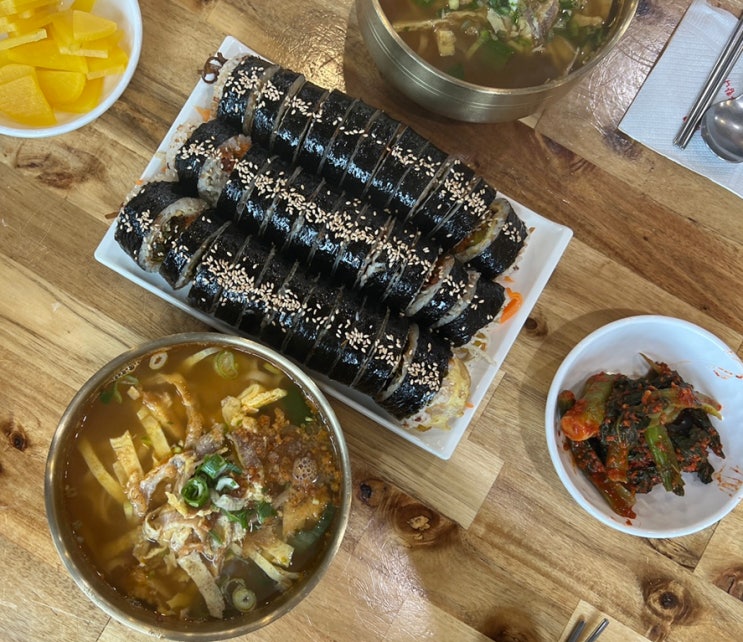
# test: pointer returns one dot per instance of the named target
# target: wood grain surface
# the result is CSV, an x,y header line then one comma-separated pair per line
x,y
487,545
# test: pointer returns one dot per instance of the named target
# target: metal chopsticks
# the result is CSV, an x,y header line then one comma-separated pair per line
x,y
578,629
598,630
725,61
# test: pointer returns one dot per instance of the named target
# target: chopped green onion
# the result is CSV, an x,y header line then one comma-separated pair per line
x,y
113,394
214,466
226,365
238,516
196,491
158,360
263,511
243,599
226,483
198,356
216,537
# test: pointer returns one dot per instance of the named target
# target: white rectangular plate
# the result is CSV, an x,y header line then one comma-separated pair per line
x,y
546,244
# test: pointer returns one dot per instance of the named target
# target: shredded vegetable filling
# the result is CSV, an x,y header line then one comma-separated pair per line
x,y
203,485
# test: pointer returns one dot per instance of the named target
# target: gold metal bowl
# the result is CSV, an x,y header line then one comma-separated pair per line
x,y
90,580
448,96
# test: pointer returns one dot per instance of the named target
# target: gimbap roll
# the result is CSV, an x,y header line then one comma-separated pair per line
x,y
148,219
483,307
401,157
344,141
235,90
240,182
205,160
446,286
186,249
419,377
369,153
214,268
467,216
296,120
493,248
237,285
325,122
271,98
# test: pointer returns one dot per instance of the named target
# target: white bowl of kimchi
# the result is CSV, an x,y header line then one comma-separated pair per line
x,y
713,370
198,487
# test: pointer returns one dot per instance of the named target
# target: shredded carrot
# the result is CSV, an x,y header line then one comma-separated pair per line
x,y
512,306
508,278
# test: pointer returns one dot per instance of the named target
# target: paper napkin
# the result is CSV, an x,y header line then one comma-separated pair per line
x,y
668,93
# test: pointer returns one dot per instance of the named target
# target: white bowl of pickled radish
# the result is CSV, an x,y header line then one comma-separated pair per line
x,y
67,75
702,360
198,487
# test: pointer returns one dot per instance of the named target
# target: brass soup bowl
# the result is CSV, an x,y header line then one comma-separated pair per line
x,y
448,96
88,578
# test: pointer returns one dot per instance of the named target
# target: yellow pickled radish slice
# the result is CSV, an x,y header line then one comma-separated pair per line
x,y
46,55
23,100
9,7
100,48
15,41
13,70
114,64
83,5
61,87
19,24
61,28
88,26
89,98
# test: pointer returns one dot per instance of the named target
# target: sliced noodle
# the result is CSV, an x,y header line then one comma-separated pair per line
x,y
154,430
126,454
99,471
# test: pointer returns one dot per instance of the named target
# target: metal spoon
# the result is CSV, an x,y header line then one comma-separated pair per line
x,y
722,129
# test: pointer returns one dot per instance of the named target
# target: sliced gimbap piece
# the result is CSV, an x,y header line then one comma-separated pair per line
x,y
237,286
298,116
215,268
370,152
493,248
418,180
317,308
444,197
325,122
357,344
402,156
467,216
270,101
483,307
419,377
187,248
326,351
445,287
204,161
345,140
237,84
240,182
385,356
267,300
151,217
416,260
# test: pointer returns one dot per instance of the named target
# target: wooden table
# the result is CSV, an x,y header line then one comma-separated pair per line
x,y
508,555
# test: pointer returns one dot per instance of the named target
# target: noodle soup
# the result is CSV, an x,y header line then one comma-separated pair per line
x,y
203,484
503,43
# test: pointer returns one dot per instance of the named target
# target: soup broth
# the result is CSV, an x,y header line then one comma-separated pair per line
x,y
202,485
502,43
